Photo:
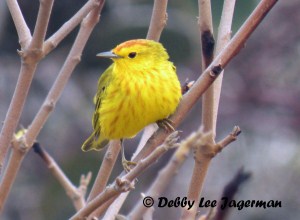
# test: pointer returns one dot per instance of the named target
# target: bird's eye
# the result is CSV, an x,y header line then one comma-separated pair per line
x,y
132,55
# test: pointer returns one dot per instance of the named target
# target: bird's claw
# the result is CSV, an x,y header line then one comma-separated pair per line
x,y
166,124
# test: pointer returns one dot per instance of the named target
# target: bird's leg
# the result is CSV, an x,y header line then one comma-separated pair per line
x,y
126,163
166,124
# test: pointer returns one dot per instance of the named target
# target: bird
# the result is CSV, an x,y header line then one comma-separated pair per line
x,y
139,88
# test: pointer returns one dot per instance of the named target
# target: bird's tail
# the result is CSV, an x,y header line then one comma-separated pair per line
x,y
94,143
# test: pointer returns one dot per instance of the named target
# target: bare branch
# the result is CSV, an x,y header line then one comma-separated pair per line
x,y
26,73
207,43
211,73
165,175
125,183
68,26
158,19
15,109
41,25
10,173
72,60
75,194
105,170
21,26
211,97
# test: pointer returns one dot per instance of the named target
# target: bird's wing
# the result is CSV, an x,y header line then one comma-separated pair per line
x,y
96,141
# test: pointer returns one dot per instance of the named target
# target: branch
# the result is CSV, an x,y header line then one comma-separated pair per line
x,y
210,74
68,26
208,44
158,19
41,25
21,26
168,172
21,91
211,96
14,163
72,60
203,156
126,183
75,194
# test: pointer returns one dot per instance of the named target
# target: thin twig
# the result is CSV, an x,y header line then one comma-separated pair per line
x,y
16,157
41,25
21,91
207,152
75,194
20,23
211,73
170,170
105,170
158,19
126,183
68,26
72,60
210,102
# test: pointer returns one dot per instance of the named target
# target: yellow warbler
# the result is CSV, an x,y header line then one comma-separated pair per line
x,y
140,87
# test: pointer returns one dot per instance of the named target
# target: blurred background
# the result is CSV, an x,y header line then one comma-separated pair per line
x,y
260,94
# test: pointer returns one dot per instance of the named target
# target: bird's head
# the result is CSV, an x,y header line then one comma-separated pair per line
x,y
138,53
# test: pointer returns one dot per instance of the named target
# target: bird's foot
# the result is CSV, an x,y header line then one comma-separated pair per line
x,y
127,165
166,124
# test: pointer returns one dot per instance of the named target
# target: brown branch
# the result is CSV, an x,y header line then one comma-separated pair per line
x,y
76,194
41,25
168,172
10,173
126,183
25,78
208,44
210,98
207,152
211,73
104,173
68,26
158,19
72,60
20,23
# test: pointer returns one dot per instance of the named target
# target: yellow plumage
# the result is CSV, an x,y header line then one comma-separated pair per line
x,y
139,88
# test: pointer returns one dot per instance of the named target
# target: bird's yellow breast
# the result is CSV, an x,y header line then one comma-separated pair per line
x,y
133,101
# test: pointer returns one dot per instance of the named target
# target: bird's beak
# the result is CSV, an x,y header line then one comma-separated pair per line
x,y
108,54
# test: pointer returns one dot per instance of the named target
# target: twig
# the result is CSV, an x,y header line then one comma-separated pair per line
x,y
211,96
208,44
104,173
72,60
207,152
165,175
20,94
157,24
158,19
125,183
41,25
68,26
16,157
75,194
230,190
224,34
211,73
21,26
105,169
